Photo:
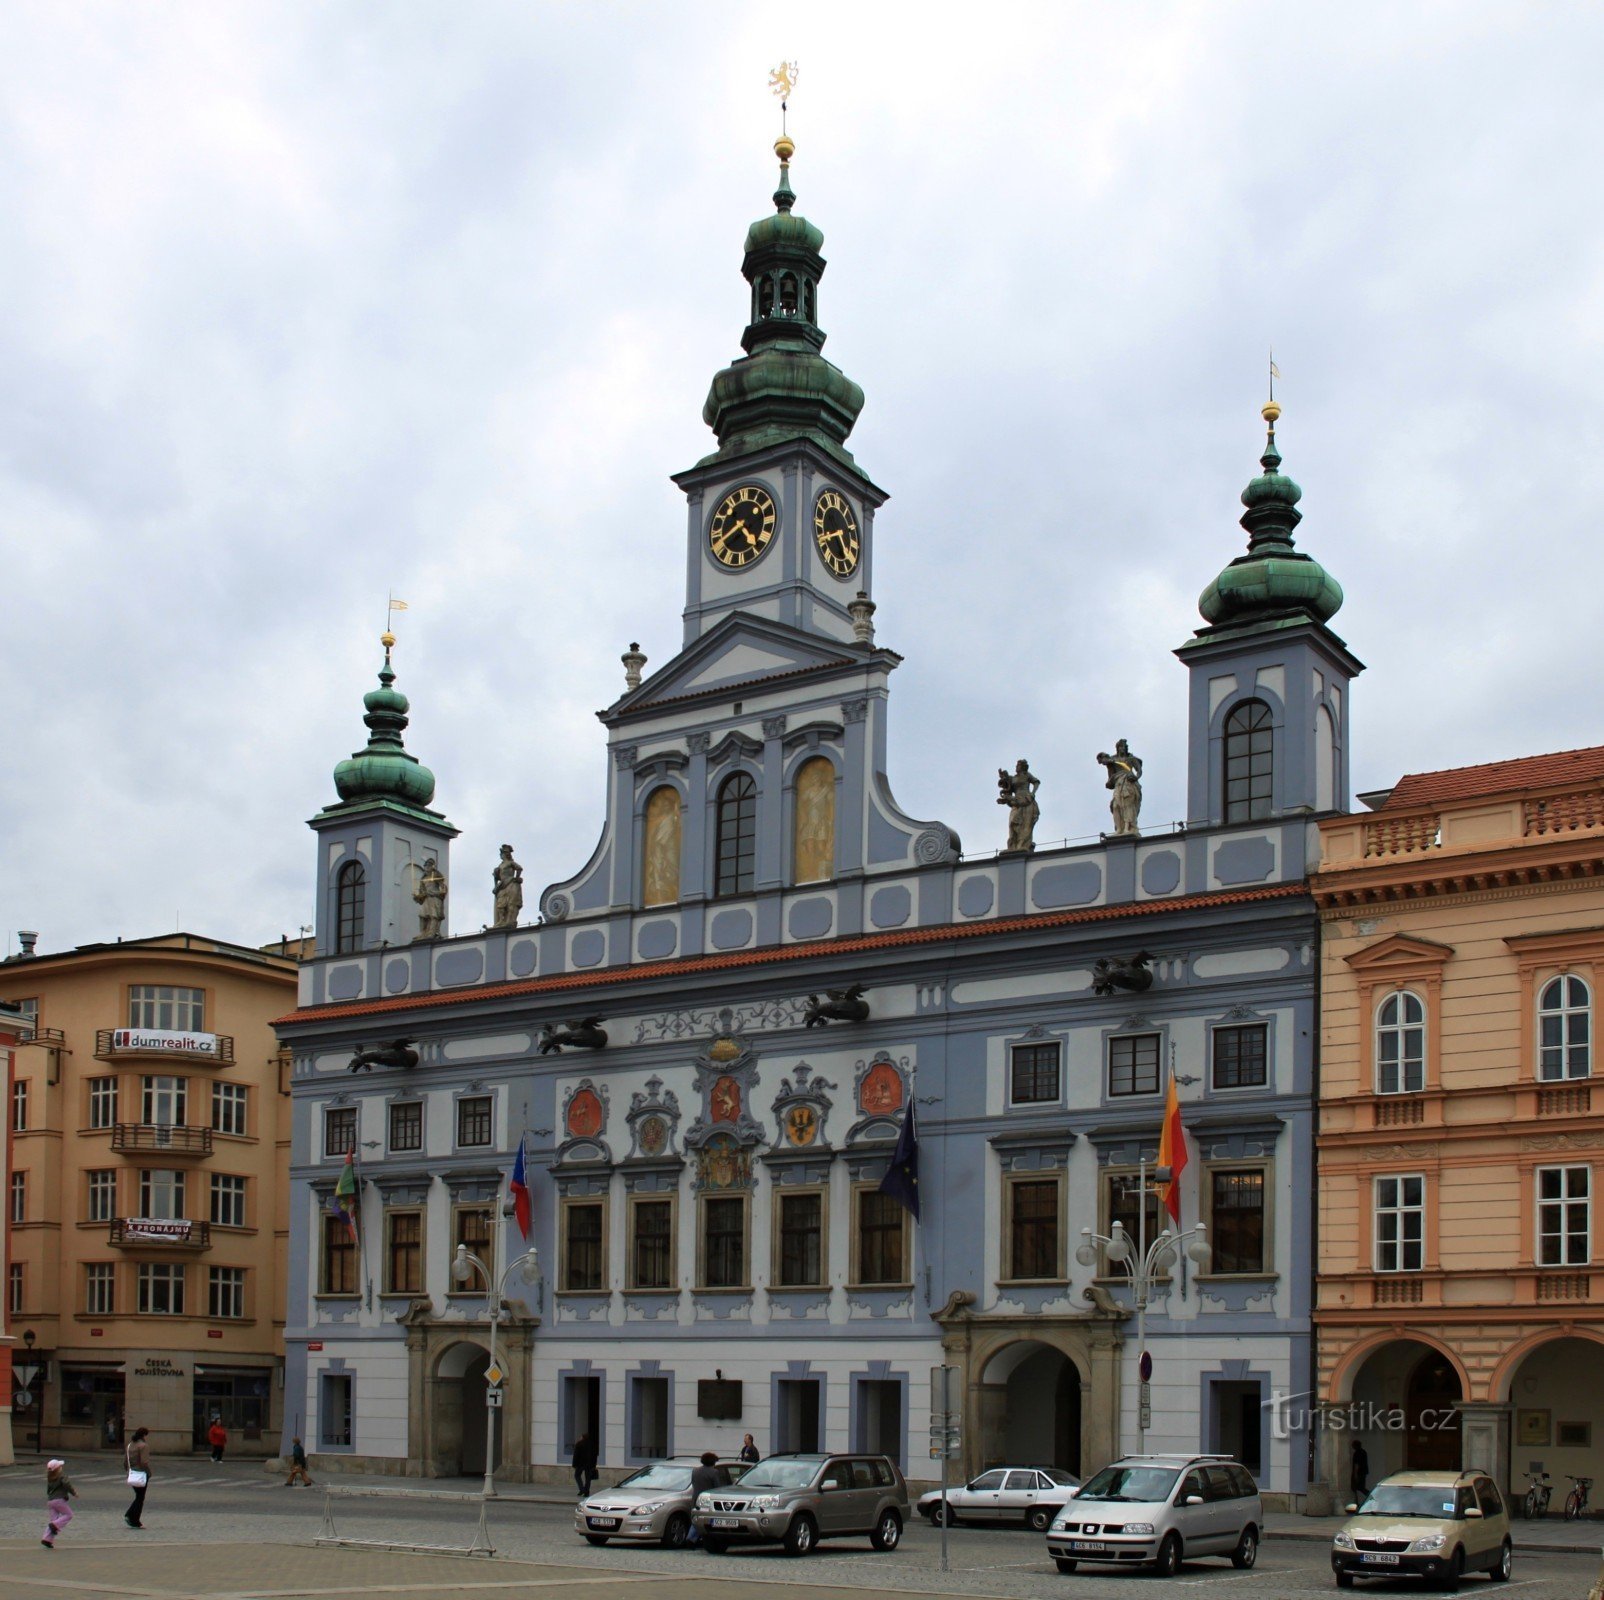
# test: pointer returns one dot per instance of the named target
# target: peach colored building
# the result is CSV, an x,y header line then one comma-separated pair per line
x,y
13,1025
1460,1298
148,1121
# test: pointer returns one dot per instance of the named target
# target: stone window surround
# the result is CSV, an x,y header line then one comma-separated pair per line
x,y
403,1097
566,1206
702,1285
778,1196
1540,957
328,1220
1392,964
328,1111
1535,1232
328,1375
1010,1182
632,1202
474,1287
1265,1165
1528,1163
854,1280
1135,1025
390,1213
648,1368
1428,1231
1036,1035
471,1093
1243,1016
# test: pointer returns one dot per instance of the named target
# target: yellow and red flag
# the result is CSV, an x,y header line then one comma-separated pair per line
x,y
1172,1153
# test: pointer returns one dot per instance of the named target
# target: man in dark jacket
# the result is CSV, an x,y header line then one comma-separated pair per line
x,y
584,1463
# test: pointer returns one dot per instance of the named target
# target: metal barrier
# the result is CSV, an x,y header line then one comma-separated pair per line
x,y
329,1534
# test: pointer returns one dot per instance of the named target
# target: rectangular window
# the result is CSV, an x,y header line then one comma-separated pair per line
x,y
225,1293
406,1125
649,1419
1033,1074
161,1193
1564,1216
1133,1064
102,1102
1236,1219
228,1200
339,1130
228,1108
339,1258
1241,1056
1400,1224
582,1245
163,1009
652,1253
100,1286
724,1243
164,1102
1033,1228
473,1122
30,1015
882,1238
19,1107
472,1228
102,1195
161,1289
335,1410
14,1289
404,1252
19,1196
1124,1189
801,1240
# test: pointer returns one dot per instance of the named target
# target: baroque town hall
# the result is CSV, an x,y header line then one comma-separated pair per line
x,y
716,1256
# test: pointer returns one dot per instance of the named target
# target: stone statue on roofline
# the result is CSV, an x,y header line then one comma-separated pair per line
x,y
1125,779
431,898
508,878
1017,791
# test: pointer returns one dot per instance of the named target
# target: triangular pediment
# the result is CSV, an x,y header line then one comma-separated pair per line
x,y
740,650
1399,950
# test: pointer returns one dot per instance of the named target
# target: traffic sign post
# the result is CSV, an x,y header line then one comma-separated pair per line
x,y
22,1400
946,1436
493,1397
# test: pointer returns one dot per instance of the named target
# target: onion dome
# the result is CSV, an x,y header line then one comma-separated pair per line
x,y
384,770
783,388
1273,579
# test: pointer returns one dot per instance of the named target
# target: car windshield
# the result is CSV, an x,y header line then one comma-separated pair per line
x,y
659,1475
1130,1483
780,1475
1410,1500
1066,1478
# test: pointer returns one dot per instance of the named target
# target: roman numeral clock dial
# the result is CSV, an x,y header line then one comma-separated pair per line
x,y
835,531
743,526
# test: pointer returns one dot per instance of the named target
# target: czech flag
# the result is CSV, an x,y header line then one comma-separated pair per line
x,y
1172,1153
347,1201
520,1192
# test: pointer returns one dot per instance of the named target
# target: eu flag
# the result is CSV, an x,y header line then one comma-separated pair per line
x,y
901,1181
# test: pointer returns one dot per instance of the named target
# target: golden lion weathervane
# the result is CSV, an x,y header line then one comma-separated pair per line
x,y
782,80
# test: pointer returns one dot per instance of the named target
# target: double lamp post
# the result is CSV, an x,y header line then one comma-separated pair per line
x,y
526,1269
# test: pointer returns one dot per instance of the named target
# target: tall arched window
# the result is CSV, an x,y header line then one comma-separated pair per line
x,y
1248,750
1400,1044
660,848
814,851
1565,1029
736,855
350,904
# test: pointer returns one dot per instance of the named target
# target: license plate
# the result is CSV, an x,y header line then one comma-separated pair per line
x,y
1372,1558
1087,1544
723,1522
602,1522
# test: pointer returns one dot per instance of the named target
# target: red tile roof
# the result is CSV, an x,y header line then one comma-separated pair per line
x,y
692,966
1562,768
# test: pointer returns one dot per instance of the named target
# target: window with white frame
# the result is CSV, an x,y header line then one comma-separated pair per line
x,y
102,1194
163,1009
1401,1044
1401,1223
19,1106
14,1289
228,1200
102,1102
100,1288
229,1108
1564,1029
161,1193
1564,1216
19,1196
225,1293
161,1289
164,1102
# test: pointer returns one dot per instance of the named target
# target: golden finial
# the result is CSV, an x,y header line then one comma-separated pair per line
x,y
387,640
1271,413
784,148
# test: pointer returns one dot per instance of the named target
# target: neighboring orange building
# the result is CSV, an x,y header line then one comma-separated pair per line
x,y
148,1120
1460,1300
13,1026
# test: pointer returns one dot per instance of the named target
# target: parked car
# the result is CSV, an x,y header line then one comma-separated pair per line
x,y
1434,1525
1030,1495
796,1500
652,1505
1158,1511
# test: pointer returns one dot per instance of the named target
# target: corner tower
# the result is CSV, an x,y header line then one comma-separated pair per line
x,y
1269,700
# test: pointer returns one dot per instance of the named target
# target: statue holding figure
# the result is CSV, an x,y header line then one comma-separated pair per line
x,y
508,878
1017,791
1125,779
431,898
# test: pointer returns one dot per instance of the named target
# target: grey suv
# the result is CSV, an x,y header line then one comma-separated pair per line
x,y
798,1500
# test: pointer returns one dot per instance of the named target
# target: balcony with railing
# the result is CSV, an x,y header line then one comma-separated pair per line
x,y
157,1138
119,1044
159,1233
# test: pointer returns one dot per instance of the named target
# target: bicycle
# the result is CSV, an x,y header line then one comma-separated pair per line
x,y
1537,1496
1576,1500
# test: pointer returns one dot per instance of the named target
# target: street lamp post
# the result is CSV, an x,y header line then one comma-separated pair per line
x,y
1144,1263
28,1372
527,1268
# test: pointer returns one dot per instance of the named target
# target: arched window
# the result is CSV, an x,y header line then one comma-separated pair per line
x,y
737,835
1564,1029
765,297
1248,750
660,848
815,821
350,901
1400,1044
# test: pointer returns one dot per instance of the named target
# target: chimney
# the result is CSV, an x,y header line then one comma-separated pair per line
x,y
27,938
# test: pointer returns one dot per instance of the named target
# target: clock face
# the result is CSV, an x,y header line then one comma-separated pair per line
x,y
742,527
835,531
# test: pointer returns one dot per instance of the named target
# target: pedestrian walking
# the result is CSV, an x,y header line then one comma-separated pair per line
x,y
584,1463
137,1455
58,1489
217,1437
298,1464
750,1452
1359,1472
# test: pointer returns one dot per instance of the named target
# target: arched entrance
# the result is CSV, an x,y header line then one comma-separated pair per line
x,y
1404,1410
1031,1407
1431,1415
1556,1397
458,1398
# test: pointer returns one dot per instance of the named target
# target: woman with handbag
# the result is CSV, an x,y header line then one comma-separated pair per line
x,y
138,1476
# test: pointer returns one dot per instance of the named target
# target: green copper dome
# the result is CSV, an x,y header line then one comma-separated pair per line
x,y
783,389
384,771
1273,578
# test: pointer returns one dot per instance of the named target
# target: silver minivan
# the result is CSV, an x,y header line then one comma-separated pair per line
x,y
1158,1511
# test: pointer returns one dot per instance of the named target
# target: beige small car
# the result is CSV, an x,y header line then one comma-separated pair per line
x,y
1433,1525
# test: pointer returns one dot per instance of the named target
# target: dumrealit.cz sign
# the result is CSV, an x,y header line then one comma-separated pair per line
x,y
194,1044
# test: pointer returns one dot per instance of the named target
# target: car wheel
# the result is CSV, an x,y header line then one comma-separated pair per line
x,y
801,1536
938,1515
1065,1564
1169,1556
887,1531
1247,1548
1456,1570
676,1530
714,1547
596,1538
1344,1580
1504,1565
1041,1518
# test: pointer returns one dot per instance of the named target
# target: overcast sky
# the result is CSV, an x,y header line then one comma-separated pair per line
x,y
303,303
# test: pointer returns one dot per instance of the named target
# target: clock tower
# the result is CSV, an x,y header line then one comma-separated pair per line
x,y
780,517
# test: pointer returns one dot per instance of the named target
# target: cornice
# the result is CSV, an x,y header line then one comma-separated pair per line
x,y
1499,875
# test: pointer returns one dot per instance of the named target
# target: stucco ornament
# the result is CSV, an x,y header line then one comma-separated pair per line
x,y
1017,791
1125,779
508,879
430,895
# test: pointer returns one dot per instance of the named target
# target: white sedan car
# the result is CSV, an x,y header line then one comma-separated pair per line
x,y
1030,1496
